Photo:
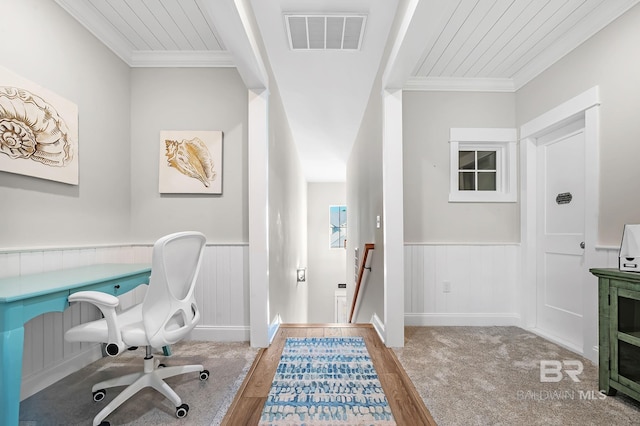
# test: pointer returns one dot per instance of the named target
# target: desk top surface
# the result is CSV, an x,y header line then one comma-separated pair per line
x,y
33,285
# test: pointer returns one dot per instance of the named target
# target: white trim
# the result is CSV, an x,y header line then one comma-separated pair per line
x,y
459,84
378,325
99,246
449,243
501,140
561,115
258,142
221,333
584,106
462,319
555,339
194,58
393,218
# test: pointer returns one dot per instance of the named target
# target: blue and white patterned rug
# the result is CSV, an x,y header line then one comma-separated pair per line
x,y
326,381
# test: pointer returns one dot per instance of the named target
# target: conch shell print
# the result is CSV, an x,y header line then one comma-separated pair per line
x,y
30,128
191,158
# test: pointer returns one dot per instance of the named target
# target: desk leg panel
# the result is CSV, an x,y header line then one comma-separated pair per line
x,y
11,347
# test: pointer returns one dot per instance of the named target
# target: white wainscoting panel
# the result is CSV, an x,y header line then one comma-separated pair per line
x,y
455,284
222,294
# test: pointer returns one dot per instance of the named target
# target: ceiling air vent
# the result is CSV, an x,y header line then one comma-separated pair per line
x,y
325,32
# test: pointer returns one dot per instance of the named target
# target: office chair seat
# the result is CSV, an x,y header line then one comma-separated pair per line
x,y
167,315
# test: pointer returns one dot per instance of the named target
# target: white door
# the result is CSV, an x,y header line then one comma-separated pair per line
x,y
560,236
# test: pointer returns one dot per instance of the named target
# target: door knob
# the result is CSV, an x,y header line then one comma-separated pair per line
x,y
582,245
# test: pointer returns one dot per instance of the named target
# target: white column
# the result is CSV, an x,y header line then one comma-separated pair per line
x,y
258,141
393,216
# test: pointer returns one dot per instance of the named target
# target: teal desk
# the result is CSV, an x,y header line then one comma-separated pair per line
x,y
25,297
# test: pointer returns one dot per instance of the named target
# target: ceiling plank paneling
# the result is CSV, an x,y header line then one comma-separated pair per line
x,y
120,25
205,29
551,32
467,37
526,11
184,24
133,20
169,24
480,33
155,27
531,31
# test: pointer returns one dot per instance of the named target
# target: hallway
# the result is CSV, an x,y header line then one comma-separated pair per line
x,y
405,403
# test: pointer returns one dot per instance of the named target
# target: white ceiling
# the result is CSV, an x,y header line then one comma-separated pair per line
x,y
496,45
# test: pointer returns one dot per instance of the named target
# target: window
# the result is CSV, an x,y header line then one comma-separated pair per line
x,y
338,223
483,165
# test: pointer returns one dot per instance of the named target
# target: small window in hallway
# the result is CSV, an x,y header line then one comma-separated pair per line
x,y
483,165
338,223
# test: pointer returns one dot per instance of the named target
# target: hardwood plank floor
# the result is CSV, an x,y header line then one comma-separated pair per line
x,y
405,403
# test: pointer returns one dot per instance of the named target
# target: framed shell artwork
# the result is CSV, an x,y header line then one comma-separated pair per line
x,y
190,162
38,131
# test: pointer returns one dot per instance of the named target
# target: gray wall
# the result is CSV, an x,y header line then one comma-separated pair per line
x,y
287,219
42,43
327,266
428,214
611,60
188,99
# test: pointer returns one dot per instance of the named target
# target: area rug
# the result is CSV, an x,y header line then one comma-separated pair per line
x,y
326,381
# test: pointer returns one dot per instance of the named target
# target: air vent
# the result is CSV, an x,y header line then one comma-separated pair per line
x,y
325,32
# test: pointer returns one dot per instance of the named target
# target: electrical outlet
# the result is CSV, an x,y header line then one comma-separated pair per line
x,y
446,286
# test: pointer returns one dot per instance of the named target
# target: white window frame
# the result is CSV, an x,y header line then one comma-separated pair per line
x,y
501,140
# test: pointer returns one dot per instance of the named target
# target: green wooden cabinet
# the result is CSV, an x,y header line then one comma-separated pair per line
x,y
619,331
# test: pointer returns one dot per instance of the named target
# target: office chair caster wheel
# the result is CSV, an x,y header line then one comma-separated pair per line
x,y
99,395
105,423
204,375
182,411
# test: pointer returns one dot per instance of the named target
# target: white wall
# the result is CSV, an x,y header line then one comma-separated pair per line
x,y
428,214
609,60
327,266
188,99
364,201
287,219
42,43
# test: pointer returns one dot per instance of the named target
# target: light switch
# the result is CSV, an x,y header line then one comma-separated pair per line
x,y
378,222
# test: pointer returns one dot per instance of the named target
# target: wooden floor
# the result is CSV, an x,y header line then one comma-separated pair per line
x,y
406,405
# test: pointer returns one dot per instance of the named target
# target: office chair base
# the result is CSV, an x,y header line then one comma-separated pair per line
x,y
152,376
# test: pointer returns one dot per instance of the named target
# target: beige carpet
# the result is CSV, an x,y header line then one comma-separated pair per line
x,y
491,376
70,401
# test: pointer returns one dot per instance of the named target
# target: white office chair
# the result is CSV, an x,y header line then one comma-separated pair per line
x,y
165,316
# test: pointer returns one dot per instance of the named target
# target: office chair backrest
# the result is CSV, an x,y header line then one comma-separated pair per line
x,y
169,308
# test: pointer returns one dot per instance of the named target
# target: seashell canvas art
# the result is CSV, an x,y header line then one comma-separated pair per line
x,y
190,162
38,131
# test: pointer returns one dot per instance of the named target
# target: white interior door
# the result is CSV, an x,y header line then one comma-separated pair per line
x,y
560,235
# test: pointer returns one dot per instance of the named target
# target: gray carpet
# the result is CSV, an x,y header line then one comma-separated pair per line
x,y
491,376
70,402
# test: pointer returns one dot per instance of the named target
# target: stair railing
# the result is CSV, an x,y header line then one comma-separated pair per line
x,y
367,248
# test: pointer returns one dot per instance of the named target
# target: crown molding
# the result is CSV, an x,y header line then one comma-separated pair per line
x,y
459,84
175,58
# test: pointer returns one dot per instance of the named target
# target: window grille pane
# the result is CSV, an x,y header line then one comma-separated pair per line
x,y
467,160
338,224
486,181
486,160
466,181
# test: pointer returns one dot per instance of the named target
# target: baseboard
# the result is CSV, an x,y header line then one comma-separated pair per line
x,y
34,383
378,325
221,333
558,341
462,319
